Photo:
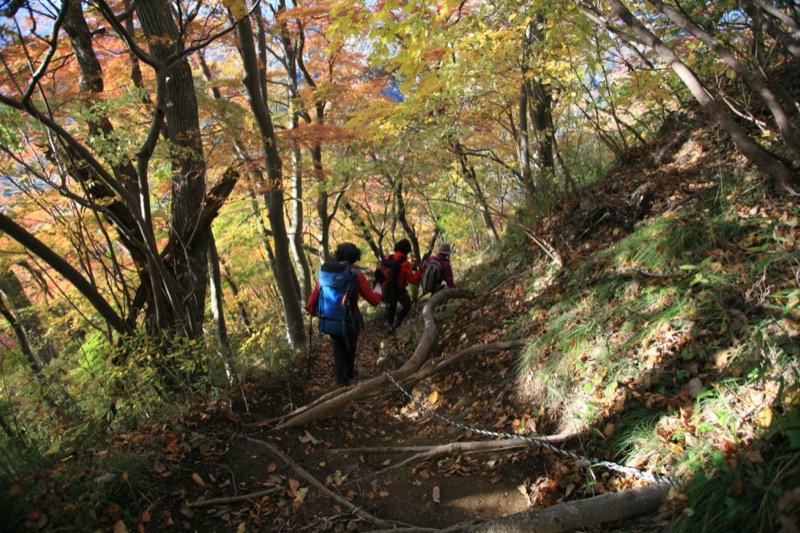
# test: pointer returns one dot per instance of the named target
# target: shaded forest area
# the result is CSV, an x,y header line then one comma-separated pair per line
x,y
618,181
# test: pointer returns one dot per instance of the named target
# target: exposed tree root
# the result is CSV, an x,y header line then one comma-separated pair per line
x,y
232,499
424,373
304,415
426,452
567,516
316,483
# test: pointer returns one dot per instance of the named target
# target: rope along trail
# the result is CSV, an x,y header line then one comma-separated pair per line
x,y
631,471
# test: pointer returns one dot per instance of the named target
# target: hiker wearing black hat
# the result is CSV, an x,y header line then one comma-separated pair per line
x,y
395,274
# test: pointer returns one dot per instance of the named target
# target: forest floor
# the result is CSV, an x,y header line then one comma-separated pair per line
x,y
229,454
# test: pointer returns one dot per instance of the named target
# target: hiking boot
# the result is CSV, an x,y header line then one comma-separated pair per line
x,y
353,374
342,380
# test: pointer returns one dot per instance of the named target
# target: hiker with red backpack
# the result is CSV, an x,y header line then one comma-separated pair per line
x,y
334,301
438,272
395,273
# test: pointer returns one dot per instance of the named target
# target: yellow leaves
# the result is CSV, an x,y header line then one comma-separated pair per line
x,y
433,397
300,496
764,417
238,8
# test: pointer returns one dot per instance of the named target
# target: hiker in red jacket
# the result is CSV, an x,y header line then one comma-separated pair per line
x,y
408,274
344,346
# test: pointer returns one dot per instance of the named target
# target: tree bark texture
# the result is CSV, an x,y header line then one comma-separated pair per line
x,y
189,263
578,514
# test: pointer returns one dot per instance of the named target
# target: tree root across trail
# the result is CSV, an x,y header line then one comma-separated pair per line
x,y
562,517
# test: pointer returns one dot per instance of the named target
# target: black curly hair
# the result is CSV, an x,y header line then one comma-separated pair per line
x,y
347,251
403,246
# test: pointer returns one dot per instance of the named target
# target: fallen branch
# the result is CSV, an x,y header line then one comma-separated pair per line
x,y
568,516
480,445
316,483
304,415
232,499
458,447
426,372
577,514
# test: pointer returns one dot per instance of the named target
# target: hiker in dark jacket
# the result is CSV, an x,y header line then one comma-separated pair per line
x,y
344,347
407,275
443,257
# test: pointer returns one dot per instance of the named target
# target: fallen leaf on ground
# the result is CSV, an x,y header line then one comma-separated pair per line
x,y
436,495
198,480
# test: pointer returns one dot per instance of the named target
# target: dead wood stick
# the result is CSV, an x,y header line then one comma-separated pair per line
x,y
336,404
568,516
453,448
577,514
469,446
232,499
315,482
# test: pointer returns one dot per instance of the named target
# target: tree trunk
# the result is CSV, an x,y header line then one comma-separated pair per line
x,y
189,263
284,275
17,304
217,300
471,177
296,228
235,291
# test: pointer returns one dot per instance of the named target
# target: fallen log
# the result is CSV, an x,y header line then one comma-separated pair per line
x,y
578,514
566,516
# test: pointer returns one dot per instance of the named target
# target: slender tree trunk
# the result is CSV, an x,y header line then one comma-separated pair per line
x,y
17,304
285,277
471,177
781,116
363,229
226,274
296,227
217,300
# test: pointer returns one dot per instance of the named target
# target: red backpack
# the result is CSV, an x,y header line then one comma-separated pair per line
x,y
389,267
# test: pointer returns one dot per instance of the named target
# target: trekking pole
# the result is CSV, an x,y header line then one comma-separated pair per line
x,y
310,334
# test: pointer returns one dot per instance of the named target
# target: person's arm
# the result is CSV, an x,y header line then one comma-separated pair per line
x,y
410,276
365,290
447,274
311,305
